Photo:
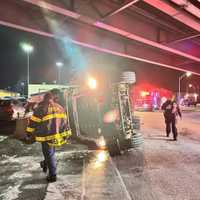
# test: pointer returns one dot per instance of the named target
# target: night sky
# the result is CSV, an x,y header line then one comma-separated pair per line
x,y
13,62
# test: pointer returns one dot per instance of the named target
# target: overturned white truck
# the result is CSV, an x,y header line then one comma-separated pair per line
x,y
104,116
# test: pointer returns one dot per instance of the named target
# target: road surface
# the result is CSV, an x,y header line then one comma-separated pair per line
x,y
172,166
161,170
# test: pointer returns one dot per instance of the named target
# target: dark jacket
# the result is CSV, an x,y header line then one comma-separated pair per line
x,y
49,124
171,109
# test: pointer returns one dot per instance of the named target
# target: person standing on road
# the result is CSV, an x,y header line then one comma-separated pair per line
x,y
49,125
171,111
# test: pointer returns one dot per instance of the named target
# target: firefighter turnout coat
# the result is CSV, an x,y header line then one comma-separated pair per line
x,y
49,125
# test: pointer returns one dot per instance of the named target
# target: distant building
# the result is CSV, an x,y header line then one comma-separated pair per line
x,y
37,91
34,89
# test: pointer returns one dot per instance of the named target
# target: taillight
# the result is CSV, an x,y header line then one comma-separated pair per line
x,y
9,109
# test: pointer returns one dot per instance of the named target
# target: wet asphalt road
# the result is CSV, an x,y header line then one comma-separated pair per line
x,y
172,167
93,175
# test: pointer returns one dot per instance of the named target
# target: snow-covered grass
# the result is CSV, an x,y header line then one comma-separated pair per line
x,y
2,138
12,193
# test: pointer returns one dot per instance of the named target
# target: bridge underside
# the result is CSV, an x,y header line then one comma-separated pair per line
x,y
156,32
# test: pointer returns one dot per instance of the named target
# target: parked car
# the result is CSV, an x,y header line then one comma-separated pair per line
x,y
23,100
11,109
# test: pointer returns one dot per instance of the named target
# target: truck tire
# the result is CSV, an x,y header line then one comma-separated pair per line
x,y
137,140
114,147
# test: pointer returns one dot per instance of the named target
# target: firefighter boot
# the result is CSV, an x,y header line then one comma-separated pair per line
x,y
51,178
43,166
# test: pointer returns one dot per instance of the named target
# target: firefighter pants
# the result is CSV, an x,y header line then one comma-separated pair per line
x,y
49,158
171,125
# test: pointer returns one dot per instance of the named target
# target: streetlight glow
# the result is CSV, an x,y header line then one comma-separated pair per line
x,y
59,64
188,74
27,47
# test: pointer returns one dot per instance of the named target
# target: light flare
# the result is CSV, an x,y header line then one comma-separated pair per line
x,y
111,116
92,83
102,142
101,158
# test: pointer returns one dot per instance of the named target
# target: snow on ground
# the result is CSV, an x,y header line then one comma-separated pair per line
x,y
68,187
20,173
172,166
11,193
2,138
21,177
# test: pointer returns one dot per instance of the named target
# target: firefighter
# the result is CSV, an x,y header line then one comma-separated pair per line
x,y
49,125
58,97
171,111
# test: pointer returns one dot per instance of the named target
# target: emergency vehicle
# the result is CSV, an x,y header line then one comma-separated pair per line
x,y
147,97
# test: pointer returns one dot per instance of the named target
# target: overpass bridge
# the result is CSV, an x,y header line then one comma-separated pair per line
x,y
164,33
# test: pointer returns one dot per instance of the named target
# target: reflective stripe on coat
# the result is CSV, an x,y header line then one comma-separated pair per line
x,y
49,124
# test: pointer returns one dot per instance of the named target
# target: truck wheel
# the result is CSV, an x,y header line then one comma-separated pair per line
x,y
137,140
114,148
